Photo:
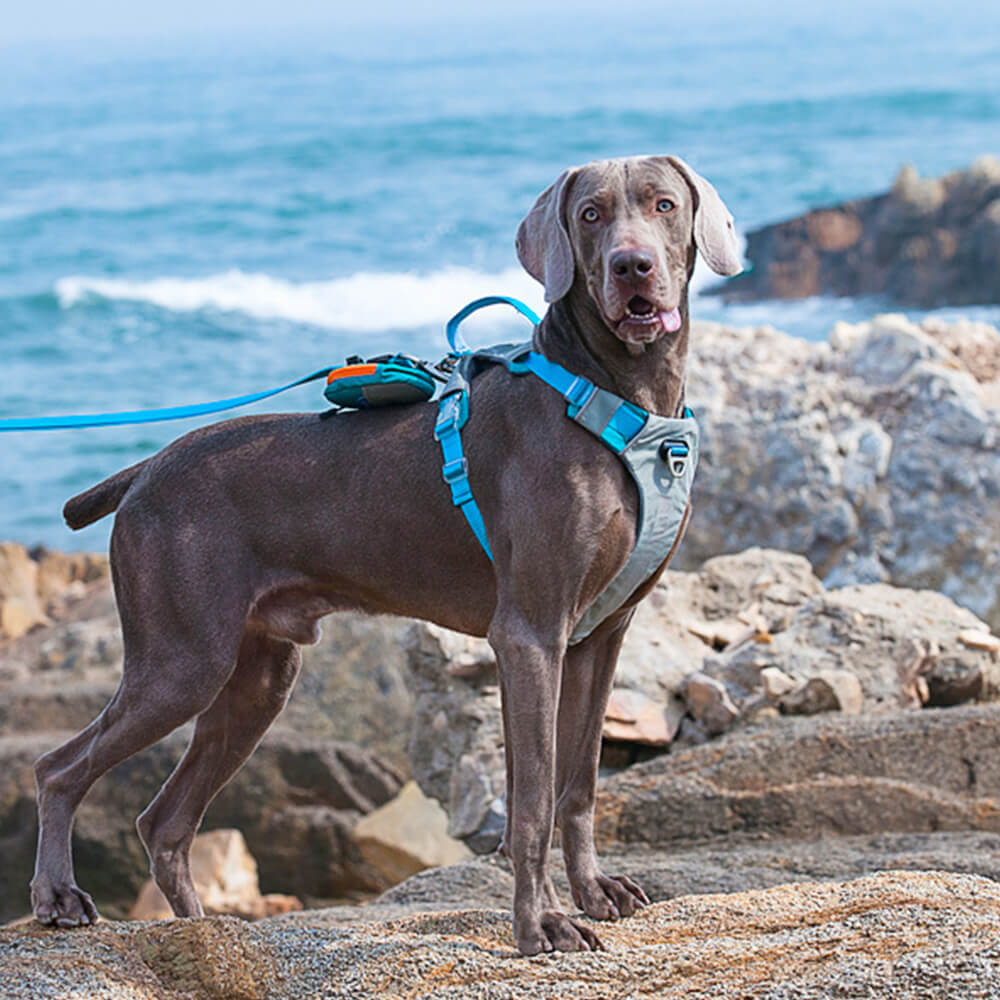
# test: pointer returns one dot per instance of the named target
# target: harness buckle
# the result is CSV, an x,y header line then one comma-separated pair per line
x,y
675,454
456,469
456,474
449,416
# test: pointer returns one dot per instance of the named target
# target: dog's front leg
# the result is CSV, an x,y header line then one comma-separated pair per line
x,y
530,661
587,679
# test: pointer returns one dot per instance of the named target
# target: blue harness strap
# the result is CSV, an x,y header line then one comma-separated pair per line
x,y
453,411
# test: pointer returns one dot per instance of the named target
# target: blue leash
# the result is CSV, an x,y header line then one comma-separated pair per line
x,y
80,420
148,416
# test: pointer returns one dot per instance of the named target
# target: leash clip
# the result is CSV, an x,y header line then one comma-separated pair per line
x,y
675,454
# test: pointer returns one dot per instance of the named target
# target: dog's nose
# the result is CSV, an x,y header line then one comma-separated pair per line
x,y
632,265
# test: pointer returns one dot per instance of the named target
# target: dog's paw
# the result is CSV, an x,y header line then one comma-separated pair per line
x,y
62,905
609,897
554,931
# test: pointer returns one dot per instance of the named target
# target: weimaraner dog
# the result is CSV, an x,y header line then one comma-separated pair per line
x,y
233,542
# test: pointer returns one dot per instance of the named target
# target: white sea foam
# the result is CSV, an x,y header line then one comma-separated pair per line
x,y
364,302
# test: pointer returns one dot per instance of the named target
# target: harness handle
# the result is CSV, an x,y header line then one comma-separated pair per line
x,y
455,340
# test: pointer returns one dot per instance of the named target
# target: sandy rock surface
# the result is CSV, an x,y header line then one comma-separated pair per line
x,y
899,934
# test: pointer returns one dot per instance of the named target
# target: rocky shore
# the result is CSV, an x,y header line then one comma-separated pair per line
x,y
811,697
926,242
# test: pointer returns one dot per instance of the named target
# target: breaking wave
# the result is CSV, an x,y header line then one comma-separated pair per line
x,y
366,301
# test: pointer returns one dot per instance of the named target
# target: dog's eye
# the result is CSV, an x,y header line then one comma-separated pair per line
x,y
590,214
665,205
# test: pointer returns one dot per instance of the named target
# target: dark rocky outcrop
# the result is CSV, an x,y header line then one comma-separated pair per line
x,y
927,242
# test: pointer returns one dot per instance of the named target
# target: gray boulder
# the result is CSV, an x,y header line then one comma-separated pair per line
x,y
880,647
874,455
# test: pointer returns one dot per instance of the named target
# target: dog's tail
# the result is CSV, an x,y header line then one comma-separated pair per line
x,y
100,500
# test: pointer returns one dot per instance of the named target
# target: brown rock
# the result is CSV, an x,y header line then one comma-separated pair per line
x,y
407,835
64,576
634,718
927,242
979,639
20,608
709,703
225,876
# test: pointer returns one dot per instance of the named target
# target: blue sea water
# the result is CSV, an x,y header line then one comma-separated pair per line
x,y
191,218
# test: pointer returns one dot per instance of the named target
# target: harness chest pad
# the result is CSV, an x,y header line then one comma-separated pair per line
x,y
379,382
660,454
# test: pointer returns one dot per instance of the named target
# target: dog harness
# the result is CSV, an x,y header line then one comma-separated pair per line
x,y
660,454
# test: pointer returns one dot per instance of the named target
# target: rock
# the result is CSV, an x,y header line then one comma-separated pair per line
x,y
63,577
225,875
804,778
775,683
634,718
905,934
735,865
869,648
354,686
951,681
859,435
828,691
288,770
20,608
312,849
39,585
979,639
406,835
456,743
708,702
927,242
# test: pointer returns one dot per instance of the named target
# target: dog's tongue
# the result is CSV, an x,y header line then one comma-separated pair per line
x,y
671,320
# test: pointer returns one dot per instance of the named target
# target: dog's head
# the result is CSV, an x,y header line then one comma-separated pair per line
x,y
625,232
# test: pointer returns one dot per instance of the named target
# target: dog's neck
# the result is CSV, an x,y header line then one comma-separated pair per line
x,y
573,334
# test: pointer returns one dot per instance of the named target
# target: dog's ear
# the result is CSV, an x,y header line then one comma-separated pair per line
x,y
714,234
542,242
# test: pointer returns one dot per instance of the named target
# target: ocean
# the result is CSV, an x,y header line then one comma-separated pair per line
x,y
192,218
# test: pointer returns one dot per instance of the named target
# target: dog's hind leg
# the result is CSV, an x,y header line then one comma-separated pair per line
x,y
225,735
144,709
583,700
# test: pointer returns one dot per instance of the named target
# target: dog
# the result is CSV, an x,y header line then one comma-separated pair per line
x,y
231,543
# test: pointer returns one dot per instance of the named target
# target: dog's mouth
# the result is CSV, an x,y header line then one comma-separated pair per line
x,y
643,322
